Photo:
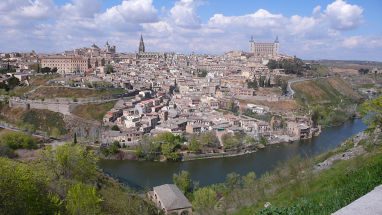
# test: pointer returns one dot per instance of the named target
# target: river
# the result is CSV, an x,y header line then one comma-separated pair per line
x,y
145,174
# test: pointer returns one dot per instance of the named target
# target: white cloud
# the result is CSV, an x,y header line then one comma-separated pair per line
x,y
38,9
40,24
359,41
81,8
343,16
132,11
301,25
261,18
184,13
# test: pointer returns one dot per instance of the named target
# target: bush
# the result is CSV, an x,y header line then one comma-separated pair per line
x,y
18,140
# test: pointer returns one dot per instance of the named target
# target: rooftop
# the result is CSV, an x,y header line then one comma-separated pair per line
x,y
172,198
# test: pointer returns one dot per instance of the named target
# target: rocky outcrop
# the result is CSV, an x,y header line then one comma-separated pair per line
x,y
84,129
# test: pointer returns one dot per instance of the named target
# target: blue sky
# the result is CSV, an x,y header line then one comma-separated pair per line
x,y
326,29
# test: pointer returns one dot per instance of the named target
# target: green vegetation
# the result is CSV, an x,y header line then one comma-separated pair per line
x,y
332,99
65,92
199,142
18,140
111,150
10,84
10,141
326,192
264,117
183,181
201,73
252,84
204,200
166,144
34,119
297,187
23,190
44,120
93,111
290,66
83,199
373,108
64,180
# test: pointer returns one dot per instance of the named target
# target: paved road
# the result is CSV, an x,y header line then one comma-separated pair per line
x,y
368,204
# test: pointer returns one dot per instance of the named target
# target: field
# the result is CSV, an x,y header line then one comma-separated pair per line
x,y
275,106
65,92
34,82
324,91
93,111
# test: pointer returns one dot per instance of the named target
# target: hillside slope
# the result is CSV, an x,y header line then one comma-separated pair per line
x,y
325,91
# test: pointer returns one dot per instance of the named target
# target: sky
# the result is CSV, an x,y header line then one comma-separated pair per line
x,y
320,29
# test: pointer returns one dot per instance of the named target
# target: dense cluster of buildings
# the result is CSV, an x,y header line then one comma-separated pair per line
x,y
182,94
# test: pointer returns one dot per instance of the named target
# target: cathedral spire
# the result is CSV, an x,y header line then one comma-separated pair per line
x,y
141,45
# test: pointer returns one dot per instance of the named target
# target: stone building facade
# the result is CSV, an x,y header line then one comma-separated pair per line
x,y
265,49
66,65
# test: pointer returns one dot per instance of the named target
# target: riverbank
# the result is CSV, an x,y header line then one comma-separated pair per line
x,y
138,174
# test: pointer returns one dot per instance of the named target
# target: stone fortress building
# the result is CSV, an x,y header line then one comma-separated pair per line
x,y
66,64
265,49
80,60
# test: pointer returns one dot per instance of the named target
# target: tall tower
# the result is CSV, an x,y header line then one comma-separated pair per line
x,y
251,44
141,45
276,47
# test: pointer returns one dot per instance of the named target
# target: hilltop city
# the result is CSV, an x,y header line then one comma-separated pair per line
x,y
171,107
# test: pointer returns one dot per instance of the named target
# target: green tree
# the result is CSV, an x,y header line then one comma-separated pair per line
x,y
284,88
75,138
109,69
204,199
54,70
23,190
230,141
208,139
71,162
263,141
233,181
248,140
168,150
13,82
115,128
183,181
194,145
372,109
82,199
315,116
18,140
252,84
272,64
249,180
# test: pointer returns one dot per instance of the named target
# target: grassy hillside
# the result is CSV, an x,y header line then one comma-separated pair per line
x,y
93,111
310,193
324,91
64,180
65,92
34,82
333,100
43,120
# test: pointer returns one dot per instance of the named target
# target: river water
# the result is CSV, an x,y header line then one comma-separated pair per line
x,y
145,174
